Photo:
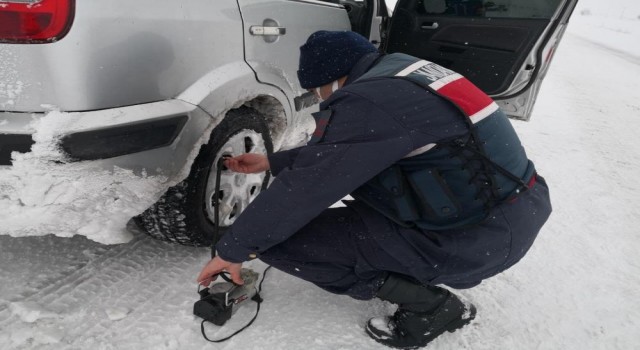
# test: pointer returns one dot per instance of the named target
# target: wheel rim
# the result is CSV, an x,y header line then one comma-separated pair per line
x,y
237,190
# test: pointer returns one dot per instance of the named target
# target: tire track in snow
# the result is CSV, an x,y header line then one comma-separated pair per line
x,y
68,281
603,47
146,295
131,278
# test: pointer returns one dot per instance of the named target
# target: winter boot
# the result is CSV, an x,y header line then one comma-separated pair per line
x,y
424,312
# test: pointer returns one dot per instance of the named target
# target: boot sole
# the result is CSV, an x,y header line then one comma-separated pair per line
x,y
450,327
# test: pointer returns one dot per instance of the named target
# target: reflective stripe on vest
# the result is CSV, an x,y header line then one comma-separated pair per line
x,y
474,103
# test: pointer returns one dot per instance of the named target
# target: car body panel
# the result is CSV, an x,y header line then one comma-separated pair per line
x,y
519,101
275,58
121,53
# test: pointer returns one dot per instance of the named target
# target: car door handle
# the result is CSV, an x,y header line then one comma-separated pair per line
x,y
267,31
430,25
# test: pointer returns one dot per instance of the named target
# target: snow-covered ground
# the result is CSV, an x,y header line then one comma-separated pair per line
x,y
577,288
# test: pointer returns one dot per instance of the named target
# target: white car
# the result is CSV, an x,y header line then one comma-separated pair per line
x,y
166,88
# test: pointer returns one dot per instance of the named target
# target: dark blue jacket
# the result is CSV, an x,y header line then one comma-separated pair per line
x,y
367,134
456,181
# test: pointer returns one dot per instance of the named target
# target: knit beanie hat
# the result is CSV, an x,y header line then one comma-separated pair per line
x,y
328,56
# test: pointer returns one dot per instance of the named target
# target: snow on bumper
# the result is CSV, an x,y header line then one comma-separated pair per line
x,y
45,191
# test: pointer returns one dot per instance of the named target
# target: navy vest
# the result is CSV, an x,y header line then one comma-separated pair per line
x,y
455,182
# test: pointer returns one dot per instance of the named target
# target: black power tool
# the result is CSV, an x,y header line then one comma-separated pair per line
x,y
218,302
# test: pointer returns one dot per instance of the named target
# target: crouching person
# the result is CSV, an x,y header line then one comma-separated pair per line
x,y
444,193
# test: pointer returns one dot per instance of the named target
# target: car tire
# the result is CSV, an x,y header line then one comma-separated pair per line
x,y
185,213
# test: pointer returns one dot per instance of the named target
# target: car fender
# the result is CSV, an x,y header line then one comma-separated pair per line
x,y
230,86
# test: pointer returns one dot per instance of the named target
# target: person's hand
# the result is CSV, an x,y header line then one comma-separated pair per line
x,y
248,163
217,265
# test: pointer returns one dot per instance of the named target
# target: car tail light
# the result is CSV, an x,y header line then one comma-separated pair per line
x,y
35,21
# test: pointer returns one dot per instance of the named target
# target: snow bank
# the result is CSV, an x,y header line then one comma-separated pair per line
x,y
41,194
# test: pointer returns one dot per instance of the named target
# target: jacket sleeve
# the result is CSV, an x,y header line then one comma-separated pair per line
x,y
283,159
360,141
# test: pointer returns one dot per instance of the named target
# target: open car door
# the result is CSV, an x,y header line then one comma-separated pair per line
x,y
502,46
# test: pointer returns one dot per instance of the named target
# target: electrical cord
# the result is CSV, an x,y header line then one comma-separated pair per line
x,y
216,213
224,275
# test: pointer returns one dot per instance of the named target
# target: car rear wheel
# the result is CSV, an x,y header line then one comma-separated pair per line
x,y
186,212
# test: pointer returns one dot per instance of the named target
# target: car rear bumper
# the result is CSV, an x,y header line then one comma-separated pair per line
x,y
88,173
156,138
10,143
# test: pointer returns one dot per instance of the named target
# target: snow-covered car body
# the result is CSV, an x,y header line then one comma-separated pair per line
x,y
110,91
141,85
130,62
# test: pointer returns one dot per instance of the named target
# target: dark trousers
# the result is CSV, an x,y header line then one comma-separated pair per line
x,y
329,252
350,250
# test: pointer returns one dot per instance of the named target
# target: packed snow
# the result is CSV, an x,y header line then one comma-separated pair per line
x,y
576,289
42,194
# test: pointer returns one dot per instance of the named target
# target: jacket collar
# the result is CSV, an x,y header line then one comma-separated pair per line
x,y
362,66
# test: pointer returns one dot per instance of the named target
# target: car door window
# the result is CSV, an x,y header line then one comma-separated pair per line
x,y
497,8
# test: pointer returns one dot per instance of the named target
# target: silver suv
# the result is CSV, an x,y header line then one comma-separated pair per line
x,y
164,89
